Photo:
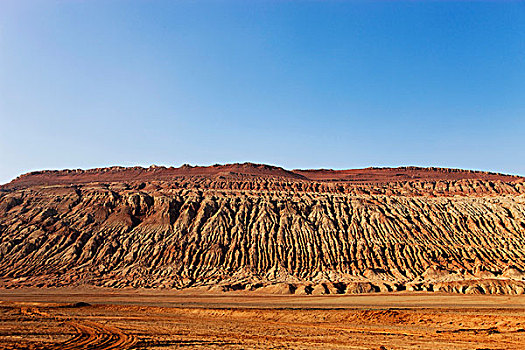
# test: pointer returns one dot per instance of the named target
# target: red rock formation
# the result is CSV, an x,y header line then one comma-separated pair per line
x,y
248,226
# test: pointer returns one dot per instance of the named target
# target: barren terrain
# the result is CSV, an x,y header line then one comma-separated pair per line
x,y
247,256
265,229
140,319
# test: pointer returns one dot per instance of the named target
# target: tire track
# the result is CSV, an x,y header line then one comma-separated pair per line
x,y
94,335
89,334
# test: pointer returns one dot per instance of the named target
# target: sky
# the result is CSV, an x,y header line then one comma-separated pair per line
x,y
298,84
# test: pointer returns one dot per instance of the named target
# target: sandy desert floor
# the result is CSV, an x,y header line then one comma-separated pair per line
x,y
141,319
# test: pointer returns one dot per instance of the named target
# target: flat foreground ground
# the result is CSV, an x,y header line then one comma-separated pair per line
x,y
140,319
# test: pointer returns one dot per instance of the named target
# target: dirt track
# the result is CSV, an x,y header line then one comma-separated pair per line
x,y
92,335
87,334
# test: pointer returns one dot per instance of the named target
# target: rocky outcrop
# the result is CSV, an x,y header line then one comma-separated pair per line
x,y
265,228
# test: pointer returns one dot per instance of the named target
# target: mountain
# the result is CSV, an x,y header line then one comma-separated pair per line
x,y
263,228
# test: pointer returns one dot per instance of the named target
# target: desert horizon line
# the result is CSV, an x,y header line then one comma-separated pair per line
x,y
274,165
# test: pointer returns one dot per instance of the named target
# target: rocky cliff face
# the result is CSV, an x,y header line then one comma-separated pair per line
x,y
263,228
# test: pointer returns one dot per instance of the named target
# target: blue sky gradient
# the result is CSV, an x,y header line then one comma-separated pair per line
x,y
300,84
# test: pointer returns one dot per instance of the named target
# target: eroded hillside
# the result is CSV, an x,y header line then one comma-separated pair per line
x,y
266,229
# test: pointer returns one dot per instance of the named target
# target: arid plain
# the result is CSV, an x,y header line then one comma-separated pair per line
x,y
139,319
249,256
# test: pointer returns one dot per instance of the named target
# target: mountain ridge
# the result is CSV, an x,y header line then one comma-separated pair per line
x,y
265,229
369,174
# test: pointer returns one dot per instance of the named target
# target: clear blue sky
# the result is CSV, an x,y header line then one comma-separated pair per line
x,y
300,84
